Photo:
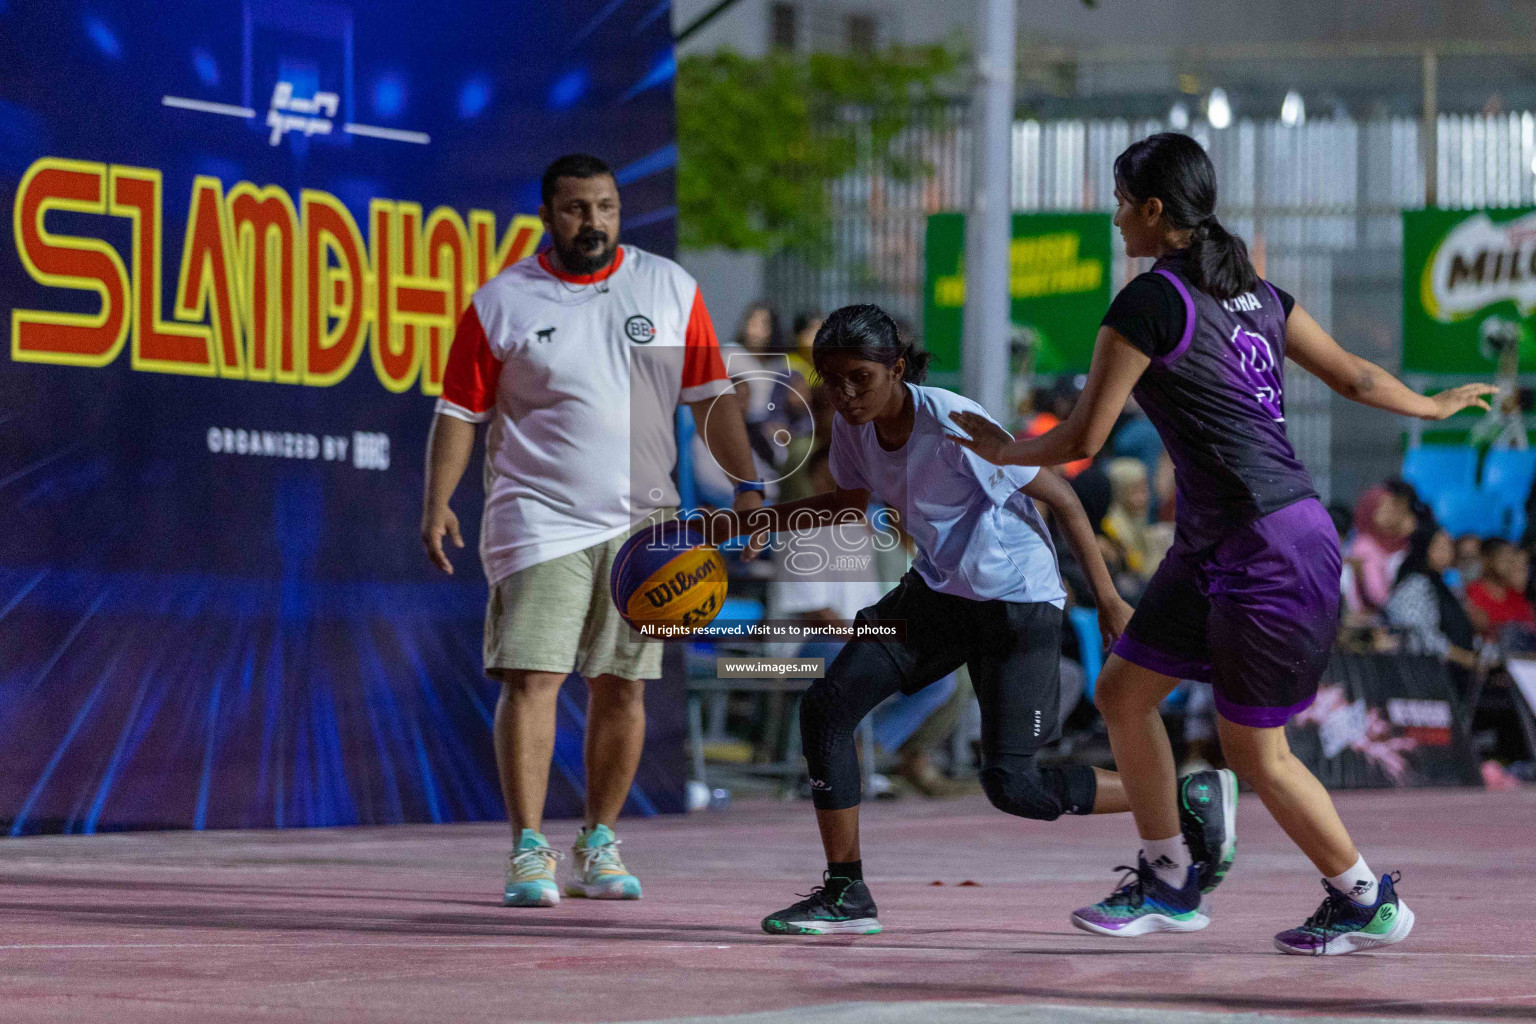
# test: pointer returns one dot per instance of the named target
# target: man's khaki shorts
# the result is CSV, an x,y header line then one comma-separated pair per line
x,y
557,616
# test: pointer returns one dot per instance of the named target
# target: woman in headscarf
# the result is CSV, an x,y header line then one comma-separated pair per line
x,y
1425,609
1384,520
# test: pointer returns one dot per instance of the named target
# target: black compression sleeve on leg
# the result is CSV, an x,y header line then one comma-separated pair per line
x,y
861,676
1015,784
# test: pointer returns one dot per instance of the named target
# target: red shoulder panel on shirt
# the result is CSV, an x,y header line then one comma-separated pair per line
x,y
469,381
701,359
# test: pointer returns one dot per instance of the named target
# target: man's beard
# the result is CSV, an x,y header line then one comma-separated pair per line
x,y
587,253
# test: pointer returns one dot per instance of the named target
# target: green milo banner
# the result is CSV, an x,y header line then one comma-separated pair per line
x,y
1058,278
1469,288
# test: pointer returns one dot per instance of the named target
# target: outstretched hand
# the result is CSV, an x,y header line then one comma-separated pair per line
x,y
986,439
1468,396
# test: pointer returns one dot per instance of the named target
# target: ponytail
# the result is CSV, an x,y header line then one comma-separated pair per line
x,y
1218,261
868,332
1175,170
917,364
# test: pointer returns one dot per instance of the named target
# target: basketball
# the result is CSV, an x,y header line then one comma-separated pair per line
x,y
668,573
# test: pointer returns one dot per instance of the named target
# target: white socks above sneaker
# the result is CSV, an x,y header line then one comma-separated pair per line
x,y
1169,858
1357,883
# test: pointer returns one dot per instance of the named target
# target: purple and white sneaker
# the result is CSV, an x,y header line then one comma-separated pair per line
x,y
1144,903
1343,926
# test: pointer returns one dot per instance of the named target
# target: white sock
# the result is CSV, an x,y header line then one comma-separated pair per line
x,y
1357,883
1169,858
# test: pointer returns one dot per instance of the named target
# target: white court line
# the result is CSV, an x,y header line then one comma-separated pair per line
x,y
205,107
394,134
542,944
587,944
939,950
1433,1001
1379,954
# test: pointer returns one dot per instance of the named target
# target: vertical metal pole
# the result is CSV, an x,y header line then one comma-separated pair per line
x,y
1429,129
989,224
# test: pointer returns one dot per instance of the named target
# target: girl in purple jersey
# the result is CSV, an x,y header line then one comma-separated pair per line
x,y
1248,597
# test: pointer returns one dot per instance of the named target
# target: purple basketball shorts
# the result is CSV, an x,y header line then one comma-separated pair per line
x,y
1255,615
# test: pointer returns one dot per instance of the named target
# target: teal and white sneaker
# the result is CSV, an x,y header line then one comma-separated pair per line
x,y
1343,926
600,874
531,873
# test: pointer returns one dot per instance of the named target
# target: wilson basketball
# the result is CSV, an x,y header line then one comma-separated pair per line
x,y
668,573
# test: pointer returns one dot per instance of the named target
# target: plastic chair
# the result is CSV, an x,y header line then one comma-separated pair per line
x,y
1085,622
1512,521
1436,469
1469,511
741,609
1508,473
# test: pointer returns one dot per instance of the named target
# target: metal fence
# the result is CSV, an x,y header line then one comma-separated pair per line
x,y
1318,202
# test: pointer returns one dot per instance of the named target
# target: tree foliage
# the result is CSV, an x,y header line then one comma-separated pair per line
x,y
760,139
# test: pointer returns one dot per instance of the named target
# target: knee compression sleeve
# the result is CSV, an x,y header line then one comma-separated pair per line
x,y
861,676
1015,784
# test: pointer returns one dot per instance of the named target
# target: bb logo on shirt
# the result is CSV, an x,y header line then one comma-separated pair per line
x,y
640,330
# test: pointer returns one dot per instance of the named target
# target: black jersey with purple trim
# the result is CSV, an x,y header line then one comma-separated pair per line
x,y
1216,394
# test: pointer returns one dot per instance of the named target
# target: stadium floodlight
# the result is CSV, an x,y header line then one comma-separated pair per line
x,y
1293,110
1217,110
1178,117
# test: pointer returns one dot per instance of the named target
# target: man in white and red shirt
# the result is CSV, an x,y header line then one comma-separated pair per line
x,y
577,358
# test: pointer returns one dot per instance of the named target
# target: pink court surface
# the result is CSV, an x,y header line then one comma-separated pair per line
x,y
405,924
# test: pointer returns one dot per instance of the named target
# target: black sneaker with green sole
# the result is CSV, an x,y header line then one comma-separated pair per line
x,y
837,907
1208,819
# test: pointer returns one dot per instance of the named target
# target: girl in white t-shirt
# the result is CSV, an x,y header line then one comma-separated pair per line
x,y
984,591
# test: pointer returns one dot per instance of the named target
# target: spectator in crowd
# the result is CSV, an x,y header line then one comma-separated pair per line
x,y
1497,598
1126,523
1093,489
1427,612
1384,521
809,440
1502,610
757,355
1073,577
806,324
1052,405
1360,631
1087,476
760,329
762,376
1138,546
789,416
1469,560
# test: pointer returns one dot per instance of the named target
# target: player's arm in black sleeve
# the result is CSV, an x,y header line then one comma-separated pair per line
x,y
1148,313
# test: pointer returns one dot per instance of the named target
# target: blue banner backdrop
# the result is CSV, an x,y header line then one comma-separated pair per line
x,y
241,234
